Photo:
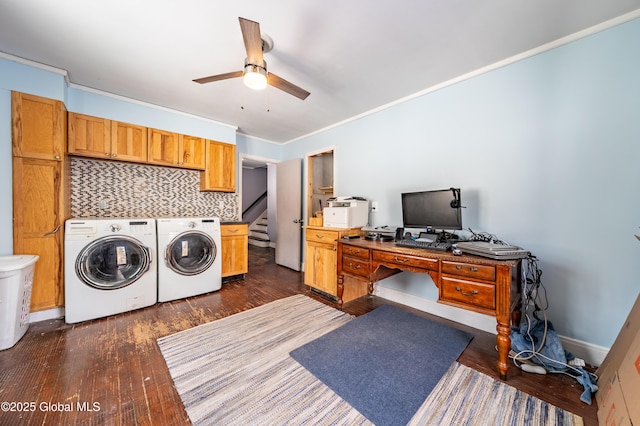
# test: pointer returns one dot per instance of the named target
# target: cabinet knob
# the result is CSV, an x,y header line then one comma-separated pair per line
x,y
114,155
57,157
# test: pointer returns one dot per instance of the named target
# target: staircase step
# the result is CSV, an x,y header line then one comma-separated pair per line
x,y
259,235
258,242
259,228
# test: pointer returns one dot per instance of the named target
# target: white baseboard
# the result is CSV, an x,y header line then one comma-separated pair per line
x,y
46,315
592,354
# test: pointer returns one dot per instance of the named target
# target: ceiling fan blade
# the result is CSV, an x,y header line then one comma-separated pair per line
x,y
252,41
218,77
285,86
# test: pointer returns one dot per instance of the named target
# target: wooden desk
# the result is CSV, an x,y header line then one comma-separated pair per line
x,y
487,286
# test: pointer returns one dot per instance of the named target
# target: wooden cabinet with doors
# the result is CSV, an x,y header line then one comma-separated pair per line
x,y
40,192
235,249
173,149
106,139
320,261
220,170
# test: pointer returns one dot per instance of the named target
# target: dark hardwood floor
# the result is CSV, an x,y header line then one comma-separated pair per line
x,y
114,367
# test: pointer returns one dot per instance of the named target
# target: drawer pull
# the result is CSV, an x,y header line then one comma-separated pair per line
x,y
319,236
473,292
352,267
354,251
471,268
399,260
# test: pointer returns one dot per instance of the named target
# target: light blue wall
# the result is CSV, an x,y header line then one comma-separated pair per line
x,y
547,154
258,148
6,196
122,109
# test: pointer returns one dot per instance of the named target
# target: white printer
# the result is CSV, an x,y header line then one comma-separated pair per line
x,y
346,212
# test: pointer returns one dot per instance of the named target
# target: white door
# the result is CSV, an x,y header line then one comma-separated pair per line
x,y
288,213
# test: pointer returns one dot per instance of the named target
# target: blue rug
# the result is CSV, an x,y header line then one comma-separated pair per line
x,y
384,363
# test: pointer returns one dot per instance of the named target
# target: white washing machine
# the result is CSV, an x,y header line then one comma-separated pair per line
x,y
190,259
110,267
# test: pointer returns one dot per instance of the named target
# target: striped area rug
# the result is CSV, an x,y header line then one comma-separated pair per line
x,y
237,371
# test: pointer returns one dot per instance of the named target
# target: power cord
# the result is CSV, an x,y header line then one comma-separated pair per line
x,y
485,236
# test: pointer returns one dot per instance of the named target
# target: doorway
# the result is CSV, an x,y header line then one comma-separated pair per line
x,y
320,181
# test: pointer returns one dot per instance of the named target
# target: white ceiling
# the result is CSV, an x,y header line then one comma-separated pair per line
x,y
352,55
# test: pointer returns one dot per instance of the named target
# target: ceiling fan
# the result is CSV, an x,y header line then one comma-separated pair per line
x,y
255,67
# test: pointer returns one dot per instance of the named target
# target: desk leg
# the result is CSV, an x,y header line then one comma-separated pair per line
x,y
503,341
340,290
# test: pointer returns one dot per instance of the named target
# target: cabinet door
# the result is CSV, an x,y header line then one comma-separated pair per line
x,y
38,127
128,142
235,254
163,148
89,136
220,170
320,267
192,152
38,221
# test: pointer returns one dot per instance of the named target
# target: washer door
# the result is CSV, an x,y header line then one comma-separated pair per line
x,y
190,253
113,262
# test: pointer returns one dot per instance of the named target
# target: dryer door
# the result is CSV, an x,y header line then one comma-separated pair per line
x,y
190,253
112,262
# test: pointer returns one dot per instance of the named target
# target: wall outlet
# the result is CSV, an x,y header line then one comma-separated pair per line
x,y
374,206
103,204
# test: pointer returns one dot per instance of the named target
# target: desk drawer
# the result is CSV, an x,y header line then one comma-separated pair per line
x,y
469,270
406,260
469,293
320,236
360,252
355,266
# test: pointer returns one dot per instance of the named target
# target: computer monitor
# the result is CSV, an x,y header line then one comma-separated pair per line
x,y
431,210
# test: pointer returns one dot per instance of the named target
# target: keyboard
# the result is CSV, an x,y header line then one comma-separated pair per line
x,y
429,245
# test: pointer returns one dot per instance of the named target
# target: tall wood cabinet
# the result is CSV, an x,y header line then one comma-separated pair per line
x,y
235,249
40,195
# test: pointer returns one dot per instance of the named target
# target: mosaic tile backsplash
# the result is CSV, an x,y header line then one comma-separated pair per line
x,y
113,189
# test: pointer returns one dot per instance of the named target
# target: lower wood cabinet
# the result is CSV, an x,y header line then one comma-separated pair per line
x,y
320,261
235,249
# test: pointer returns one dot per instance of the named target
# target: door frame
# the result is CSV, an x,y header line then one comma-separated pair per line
x,y
307,208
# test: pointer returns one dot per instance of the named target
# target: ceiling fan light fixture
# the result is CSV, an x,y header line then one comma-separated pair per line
x,y
255,77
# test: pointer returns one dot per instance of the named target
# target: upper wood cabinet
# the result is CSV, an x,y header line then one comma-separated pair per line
x,y
128,142
101,138
38,127
193,151
173,149
90,136
220,171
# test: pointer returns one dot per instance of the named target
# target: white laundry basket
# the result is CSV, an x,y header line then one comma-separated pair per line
x,y
16,278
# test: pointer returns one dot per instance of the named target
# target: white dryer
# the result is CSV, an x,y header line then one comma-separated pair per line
x,y
191,257
110,267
